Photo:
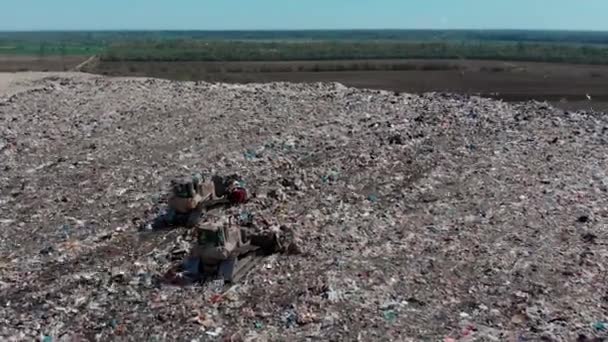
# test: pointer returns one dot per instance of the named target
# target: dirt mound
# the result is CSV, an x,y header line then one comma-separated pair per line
x,y
421,217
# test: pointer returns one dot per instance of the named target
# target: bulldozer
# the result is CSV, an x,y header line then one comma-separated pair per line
x,y
191,196
223,253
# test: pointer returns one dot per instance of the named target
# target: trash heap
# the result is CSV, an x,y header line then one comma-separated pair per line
x,y
416,217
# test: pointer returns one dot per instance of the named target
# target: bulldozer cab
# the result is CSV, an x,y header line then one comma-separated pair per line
x,y
189,193
183,187
212,236
187,187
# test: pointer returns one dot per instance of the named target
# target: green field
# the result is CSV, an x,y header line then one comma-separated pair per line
x,y
182,46
49,49
183,51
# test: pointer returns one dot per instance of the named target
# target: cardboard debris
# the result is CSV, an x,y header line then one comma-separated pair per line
x,y
413,214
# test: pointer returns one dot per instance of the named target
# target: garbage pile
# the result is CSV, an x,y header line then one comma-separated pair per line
x,y
398,217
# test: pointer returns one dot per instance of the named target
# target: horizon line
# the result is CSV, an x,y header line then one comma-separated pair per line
x,y
301,30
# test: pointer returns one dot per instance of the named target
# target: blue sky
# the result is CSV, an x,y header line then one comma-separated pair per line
x,y
302,14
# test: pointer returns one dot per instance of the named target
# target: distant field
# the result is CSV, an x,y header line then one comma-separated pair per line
x,y
199,70
47,50
186,51
95,38
13,63
565,85
544,46
502,64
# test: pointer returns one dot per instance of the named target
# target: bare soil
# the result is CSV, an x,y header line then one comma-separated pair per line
x,y
34,63
564,85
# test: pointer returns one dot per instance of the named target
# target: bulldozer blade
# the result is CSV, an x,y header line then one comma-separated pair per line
x,y
242,267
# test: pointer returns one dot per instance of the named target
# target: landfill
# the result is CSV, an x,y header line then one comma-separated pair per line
x,y
431,217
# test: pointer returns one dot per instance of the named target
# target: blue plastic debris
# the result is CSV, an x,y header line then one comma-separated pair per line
x,y
389,315
66,229
245,218
330,176
600,326
250,154
290,318
372,198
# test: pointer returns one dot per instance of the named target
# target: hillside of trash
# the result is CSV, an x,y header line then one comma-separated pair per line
x,y
432,217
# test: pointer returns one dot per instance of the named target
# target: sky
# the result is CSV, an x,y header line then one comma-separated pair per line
x,y
17,15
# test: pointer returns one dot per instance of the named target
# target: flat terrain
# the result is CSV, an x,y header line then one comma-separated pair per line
x,y
9,63
564,85
421,217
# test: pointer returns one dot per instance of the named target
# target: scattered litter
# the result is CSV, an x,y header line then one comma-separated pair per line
x,y
589,237
600,326
250,155
215,333
290,318
66,229
583,219
414,211
389,315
